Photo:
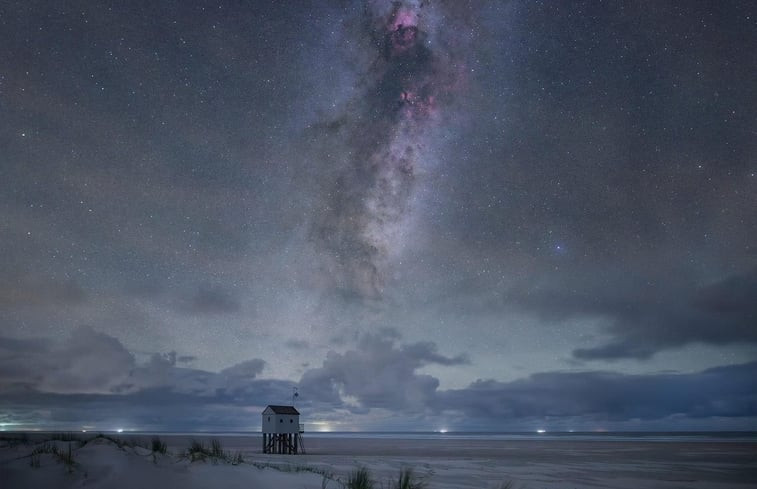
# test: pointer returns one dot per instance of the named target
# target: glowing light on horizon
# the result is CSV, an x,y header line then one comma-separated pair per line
x,y
322,426
541,431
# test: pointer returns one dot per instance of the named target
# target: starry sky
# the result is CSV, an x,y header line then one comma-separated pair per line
x,y
421,215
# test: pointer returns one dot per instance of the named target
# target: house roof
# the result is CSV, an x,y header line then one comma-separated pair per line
x,y
283,409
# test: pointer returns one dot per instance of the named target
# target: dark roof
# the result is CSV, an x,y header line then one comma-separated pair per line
x,y
283,409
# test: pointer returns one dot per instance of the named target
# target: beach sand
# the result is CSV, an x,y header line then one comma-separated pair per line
x,y
442,463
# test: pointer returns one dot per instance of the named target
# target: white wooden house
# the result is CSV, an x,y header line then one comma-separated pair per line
x,y
281,429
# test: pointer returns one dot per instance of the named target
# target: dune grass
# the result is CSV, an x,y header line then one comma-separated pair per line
x,y
34,460
359,478
67,458
158,445
198,451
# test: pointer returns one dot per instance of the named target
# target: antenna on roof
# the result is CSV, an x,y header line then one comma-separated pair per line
x,y
295,394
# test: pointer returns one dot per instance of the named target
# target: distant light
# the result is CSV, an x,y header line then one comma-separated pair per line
x,y
443,430
120,430
322,426
541,431
83,431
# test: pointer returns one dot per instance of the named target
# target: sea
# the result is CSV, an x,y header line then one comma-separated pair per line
x,y
681,436
650,436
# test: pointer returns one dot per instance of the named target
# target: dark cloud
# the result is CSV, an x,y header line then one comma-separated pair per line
x,y
86,362
92,378
608,396
90,362
644,318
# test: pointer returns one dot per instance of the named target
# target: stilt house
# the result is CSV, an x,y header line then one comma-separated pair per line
x,y
282,431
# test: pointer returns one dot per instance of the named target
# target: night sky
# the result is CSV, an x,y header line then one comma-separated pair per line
x,y
462,215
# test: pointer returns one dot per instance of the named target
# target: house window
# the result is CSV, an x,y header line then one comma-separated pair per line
x,y
269,418
281,421
291,421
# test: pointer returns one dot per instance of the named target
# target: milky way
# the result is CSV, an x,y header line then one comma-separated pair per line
x,y
410,80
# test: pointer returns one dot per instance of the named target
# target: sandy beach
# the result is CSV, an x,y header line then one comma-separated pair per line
x,y
441,463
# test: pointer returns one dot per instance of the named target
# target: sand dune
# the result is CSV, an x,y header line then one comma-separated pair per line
x,y
445,463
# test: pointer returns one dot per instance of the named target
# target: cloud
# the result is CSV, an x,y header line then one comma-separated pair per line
x,y
87,362
379,373
90,362
90,378
601,396
644,315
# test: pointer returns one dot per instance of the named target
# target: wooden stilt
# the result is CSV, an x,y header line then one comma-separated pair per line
x,y
282,443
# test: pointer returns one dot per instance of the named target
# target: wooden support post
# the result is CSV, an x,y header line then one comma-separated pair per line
x,y
296,439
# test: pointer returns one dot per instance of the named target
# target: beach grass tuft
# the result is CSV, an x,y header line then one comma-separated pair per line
x,y
158,445
67,458
45,448
198,451
34,460
215,449
360,478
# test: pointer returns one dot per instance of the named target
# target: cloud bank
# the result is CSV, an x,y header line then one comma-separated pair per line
x,y
91,380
